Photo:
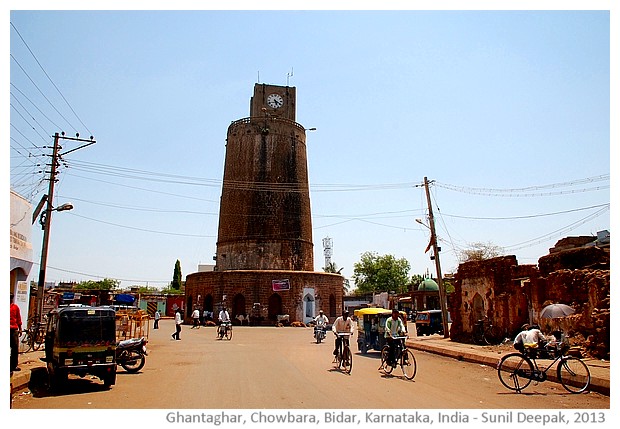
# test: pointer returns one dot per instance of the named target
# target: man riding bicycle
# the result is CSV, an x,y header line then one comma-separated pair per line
x,y
394,327
321,322
342,325
224,319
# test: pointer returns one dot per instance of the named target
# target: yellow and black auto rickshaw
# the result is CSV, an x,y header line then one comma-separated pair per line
x,y
371,327
81,340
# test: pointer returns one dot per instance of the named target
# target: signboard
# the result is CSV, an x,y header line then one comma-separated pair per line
x,y
280,285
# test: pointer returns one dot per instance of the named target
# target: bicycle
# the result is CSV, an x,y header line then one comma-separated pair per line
x,y
485,333
224,330
403,357
517,370
34,336
344,358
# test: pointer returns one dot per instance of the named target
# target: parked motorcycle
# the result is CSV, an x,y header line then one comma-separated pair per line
x,y
130,354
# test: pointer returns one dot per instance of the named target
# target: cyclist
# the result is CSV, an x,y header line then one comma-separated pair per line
x,y
342,324
394,327
224,319
321,322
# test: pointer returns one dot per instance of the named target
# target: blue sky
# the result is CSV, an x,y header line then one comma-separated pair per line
x,y
506,111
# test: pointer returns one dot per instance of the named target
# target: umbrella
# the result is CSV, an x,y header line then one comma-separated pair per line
x,y
554,311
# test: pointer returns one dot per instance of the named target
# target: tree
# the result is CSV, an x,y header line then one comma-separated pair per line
x,y
480,252
176,277
332,268
374,273
105,284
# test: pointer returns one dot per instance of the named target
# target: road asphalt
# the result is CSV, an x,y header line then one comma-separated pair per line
x,y
436,344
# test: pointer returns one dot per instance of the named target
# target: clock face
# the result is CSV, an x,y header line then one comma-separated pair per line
x,y
275,101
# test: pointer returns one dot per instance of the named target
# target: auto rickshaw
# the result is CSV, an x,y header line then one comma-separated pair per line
x,y
371,327
81,340
428,322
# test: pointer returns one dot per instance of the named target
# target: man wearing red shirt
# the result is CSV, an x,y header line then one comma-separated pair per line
x,y
16,331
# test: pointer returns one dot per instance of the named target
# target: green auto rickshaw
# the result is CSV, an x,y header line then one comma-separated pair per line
x,y
81,340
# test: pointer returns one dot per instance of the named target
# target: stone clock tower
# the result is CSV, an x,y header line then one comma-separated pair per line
x,y
264,252
265,219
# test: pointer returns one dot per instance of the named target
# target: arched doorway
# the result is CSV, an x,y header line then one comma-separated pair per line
x,y
477,308
238,306
275,307
308,307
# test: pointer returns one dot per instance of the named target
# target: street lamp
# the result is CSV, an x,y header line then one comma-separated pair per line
x,y
45,220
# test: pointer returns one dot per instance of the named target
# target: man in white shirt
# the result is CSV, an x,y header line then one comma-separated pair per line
x,y
223,316
342,325
177,323
196,317
321,322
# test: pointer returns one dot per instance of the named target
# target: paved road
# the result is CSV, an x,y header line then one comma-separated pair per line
x,y
282,368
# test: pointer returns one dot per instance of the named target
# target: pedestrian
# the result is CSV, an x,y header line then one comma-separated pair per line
x,y
196,317
177,323
520,338
157,317
205,316
16,331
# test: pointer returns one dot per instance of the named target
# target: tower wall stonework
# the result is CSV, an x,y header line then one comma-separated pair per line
x,y
265,219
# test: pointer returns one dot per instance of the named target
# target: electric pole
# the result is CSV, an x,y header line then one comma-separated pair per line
x,y
46,215
442,290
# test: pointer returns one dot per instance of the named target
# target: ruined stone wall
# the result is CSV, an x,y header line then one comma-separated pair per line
x,y
510,295
487,289
588,292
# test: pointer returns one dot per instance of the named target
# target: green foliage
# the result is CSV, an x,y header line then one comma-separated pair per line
x,y
176,277
171,291
332,268
480,252
105,284
374,273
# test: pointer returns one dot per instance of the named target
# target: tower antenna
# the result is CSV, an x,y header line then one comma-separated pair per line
x,y
327,251
289,75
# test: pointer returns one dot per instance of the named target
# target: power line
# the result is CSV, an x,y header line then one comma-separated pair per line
x,y
49,78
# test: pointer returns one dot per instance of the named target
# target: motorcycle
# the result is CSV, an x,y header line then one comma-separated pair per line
x,y
130,354
319,334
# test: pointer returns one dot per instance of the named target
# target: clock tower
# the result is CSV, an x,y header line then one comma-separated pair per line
x,y
274,101
264,266
265,219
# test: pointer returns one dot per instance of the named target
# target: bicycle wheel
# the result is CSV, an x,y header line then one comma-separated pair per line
x,y
384,356
492,335
347,359
26,343
515,371
408,364
229,333
573,374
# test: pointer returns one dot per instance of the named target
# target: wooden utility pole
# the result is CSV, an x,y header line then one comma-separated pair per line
x,y
442,290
